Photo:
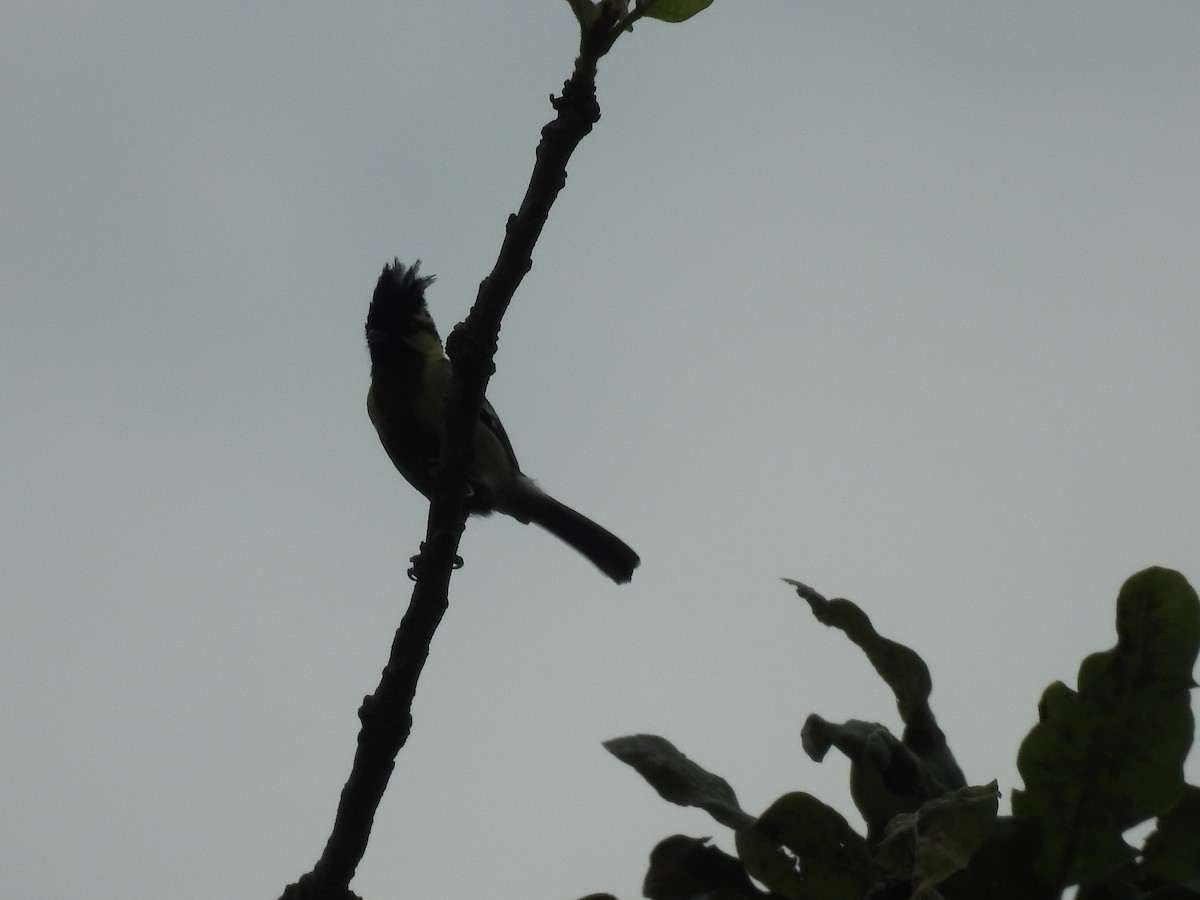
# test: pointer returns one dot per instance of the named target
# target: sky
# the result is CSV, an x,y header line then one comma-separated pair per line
x,y
898,300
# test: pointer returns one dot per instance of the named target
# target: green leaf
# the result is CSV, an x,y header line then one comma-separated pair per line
x,y
673,10
886,778
684,867
1174,892
900,666
1115,889
678,779
940,838
804,850
904,672
1172,851
1002,867
1110,756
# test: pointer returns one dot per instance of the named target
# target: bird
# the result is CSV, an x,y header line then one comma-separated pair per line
x,y
410,377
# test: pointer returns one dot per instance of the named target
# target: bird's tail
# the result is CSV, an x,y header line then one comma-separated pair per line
x,y
608,553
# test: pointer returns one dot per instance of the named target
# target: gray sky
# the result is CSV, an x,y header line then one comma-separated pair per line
x,y
901,300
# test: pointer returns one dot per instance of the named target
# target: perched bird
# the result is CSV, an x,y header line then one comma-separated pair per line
x,y
410,376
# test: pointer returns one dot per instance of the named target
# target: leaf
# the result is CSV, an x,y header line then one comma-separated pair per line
x,y
1174,892
1172,851
684,867
900,666
886,778
940,838
804,850
903,670
673,10
1002,867
678,779
1110,756
1115,889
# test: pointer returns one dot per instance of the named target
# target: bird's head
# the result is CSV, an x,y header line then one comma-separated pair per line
x,y
398,310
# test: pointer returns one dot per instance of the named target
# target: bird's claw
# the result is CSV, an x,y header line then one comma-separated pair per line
x,y
415,560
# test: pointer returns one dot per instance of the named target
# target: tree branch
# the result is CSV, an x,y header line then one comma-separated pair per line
x,y
386,715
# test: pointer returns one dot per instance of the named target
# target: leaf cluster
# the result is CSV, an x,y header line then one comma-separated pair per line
x,y
1104,757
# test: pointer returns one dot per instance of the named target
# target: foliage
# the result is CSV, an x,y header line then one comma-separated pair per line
x,y
588,12
1103,757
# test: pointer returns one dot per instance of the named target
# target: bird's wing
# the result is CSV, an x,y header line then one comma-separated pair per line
x,y
491,421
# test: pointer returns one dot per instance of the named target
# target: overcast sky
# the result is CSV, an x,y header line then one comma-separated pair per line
x,y
899,300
